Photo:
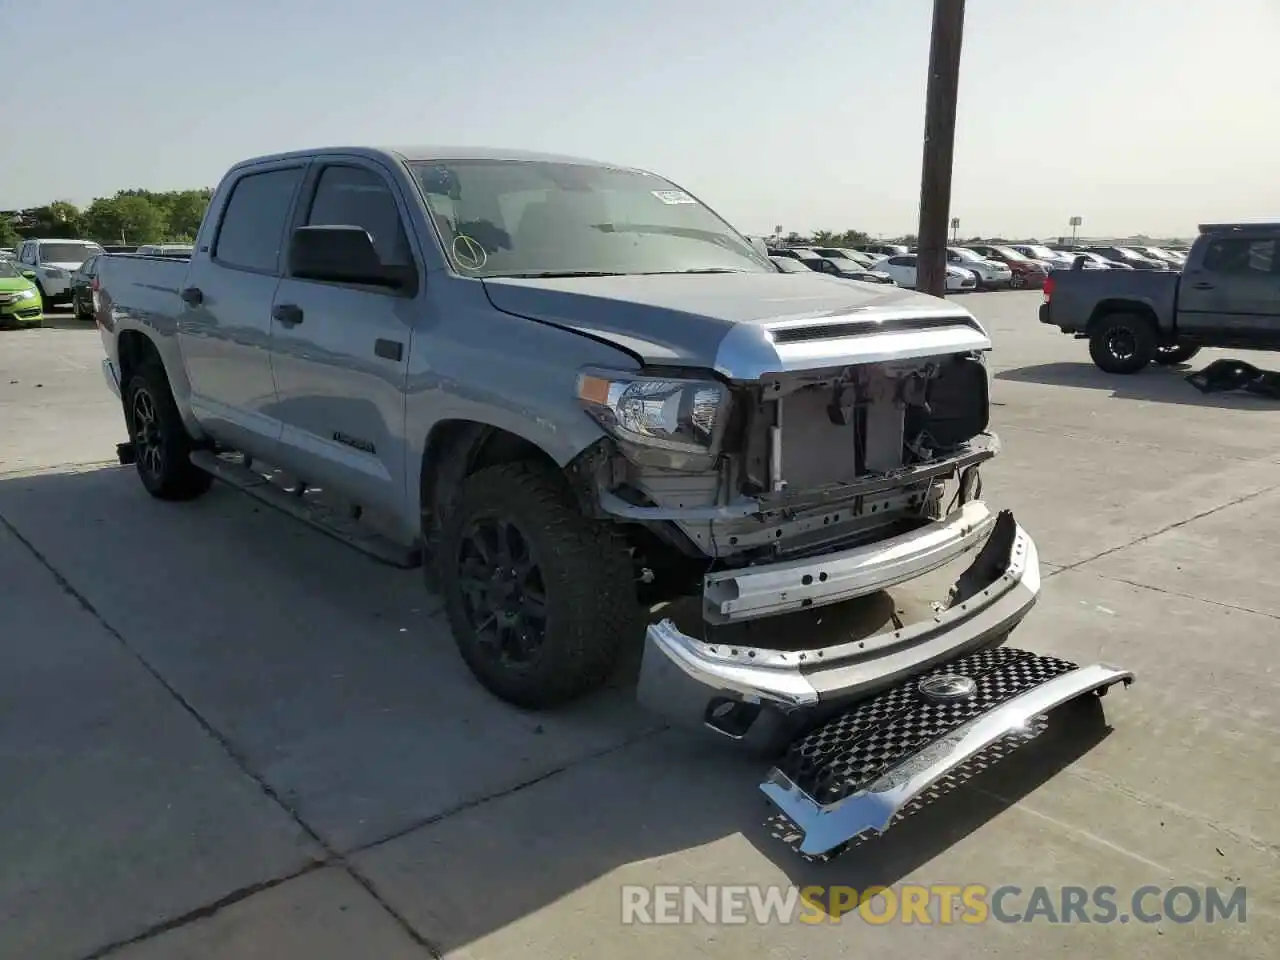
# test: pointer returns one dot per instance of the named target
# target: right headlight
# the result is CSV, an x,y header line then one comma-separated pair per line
x,y
675,415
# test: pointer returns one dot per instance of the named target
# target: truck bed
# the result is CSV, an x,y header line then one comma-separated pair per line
x,y
142,284
1077,295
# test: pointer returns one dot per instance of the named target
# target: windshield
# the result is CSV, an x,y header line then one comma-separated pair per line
x,y
1039,252
8,271
788,265
1010,254
845,265
1132,254
67,252
540,218
964,254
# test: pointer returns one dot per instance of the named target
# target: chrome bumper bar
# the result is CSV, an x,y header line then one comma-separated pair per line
x,y
832,578
829,825
689,680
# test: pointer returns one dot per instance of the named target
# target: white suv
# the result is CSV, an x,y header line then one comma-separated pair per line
x,y
53,262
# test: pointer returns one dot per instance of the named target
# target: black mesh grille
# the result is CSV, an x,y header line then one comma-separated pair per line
x,y
850,752
838,331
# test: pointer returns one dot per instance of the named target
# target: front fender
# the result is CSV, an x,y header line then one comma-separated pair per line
x,y
496,370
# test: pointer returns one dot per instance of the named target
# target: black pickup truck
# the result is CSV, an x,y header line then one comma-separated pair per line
x,y
1227,295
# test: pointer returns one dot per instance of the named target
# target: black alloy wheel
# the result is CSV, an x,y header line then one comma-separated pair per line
x,y
1123,342
503,592
148,440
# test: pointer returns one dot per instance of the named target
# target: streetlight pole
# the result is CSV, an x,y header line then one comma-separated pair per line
x,y
939,145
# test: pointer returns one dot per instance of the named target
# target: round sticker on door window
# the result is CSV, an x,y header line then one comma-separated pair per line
x,y
467,253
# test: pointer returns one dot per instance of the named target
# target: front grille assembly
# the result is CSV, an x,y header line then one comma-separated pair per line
x,y
849,753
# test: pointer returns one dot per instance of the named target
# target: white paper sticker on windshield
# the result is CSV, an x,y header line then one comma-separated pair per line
x,y
673,196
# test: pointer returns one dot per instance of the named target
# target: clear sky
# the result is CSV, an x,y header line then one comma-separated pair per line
x,y
1138,115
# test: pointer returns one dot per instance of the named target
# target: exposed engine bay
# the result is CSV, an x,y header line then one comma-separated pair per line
x,y
818,460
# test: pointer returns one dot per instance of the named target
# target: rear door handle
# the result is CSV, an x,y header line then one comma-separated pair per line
x,y
388,349
289,314
192,296
1202,285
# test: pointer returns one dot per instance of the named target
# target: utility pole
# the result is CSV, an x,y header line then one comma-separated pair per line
x,y
939,145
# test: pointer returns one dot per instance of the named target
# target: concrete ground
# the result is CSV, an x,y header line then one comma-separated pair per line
x,y
225,735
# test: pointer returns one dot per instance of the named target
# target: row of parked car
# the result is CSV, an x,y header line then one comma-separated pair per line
x,y
975,266
62,271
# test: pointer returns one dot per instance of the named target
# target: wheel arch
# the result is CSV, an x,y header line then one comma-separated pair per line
x,y
457,448
133,349
1110,307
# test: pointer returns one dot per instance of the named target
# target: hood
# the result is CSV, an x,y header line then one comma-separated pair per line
x,y
71,266
15,284
743,325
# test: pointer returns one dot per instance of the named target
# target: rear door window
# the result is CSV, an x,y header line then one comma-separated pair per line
x,y
253,223
1237,255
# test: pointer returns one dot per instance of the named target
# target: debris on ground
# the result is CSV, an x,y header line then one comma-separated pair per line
x,y
1225,375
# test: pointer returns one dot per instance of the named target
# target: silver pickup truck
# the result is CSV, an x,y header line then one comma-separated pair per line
x,y
603,420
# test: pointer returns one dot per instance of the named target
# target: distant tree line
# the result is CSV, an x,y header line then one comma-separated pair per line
x,y
130,217
839,238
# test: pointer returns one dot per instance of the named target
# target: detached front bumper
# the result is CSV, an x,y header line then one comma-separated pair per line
x,y
763,695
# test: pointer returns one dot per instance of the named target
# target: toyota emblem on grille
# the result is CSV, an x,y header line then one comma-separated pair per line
x,y
948,686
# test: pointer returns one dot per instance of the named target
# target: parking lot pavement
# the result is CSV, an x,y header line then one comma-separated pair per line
x,y
235,737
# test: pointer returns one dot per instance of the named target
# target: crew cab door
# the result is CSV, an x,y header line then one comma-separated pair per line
x,y
224,326
1230,291
340,352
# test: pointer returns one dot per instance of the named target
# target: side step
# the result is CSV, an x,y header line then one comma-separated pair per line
x,y
230,469
859,773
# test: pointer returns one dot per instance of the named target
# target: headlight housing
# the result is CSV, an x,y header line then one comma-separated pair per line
x,y
28,294
663,421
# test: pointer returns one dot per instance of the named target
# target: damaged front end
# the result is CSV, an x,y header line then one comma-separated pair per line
x,y
842,467
826,490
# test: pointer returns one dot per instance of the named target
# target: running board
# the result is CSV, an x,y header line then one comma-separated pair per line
x,y
230,469
858,774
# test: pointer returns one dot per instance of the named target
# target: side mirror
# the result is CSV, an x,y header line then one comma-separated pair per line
x,y
30,274
344,254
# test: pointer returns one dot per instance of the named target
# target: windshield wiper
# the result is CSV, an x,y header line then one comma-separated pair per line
x,y
548,274
658,273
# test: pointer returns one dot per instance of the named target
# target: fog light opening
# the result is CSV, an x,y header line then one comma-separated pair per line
x,y
731,718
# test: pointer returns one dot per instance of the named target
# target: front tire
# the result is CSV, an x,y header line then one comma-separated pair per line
x,y
1173,354
1122,343
1017,281
540,599
162,446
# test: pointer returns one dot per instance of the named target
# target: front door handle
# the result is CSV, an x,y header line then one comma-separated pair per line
x,y
289,314
1202,285
192,296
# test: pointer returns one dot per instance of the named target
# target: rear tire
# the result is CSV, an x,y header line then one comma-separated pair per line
x,y
1168,356
1122,343
161,444
540,599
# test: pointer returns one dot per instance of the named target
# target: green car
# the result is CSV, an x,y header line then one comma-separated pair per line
x,y
20,303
